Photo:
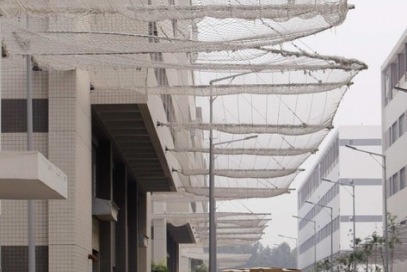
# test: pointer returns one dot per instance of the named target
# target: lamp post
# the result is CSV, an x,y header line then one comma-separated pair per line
x,y
293,238
212,201
386,240
332,230
352,184
30,204
315,239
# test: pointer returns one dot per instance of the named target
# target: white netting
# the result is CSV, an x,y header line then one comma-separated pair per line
x,y
239,52
79,26
234,229
224,219
230,193
221,257
249,151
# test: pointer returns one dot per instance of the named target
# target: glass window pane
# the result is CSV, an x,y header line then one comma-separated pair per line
x,y
402,178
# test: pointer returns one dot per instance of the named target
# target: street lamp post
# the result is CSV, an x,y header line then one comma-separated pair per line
x,y
212,201
352,184
315,239
332,232
386,240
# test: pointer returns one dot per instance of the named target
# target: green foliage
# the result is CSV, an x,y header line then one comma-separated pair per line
x,y
369,253
261,256
200,268
160,267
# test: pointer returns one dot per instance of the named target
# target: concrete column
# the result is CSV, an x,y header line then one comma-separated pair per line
x,y
132,224
104,190
120,198
144,230
159,239
70,148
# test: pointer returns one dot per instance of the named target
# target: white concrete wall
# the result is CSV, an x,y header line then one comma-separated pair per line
x,y
351,165
70,221
396,156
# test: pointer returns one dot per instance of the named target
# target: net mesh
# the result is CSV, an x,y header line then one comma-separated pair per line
x,y
78,26
237,58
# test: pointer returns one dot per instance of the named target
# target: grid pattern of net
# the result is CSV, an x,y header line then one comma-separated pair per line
x,y
78,26
243,62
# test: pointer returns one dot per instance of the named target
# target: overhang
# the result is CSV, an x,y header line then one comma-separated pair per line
x,y
182,234
131,128
29,175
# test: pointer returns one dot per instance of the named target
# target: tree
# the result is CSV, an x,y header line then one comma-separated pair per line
x,y
372,247
160,267
261,256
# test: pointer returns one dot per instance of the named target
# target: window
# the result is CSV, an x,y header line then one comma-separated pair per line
x,y
388,95
402,65
402,178
402,124
395,183
394,133
14,115
389,185
394,76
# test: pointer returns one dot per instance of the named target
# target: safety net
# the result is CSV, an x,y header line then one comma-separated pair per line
x,y
267,101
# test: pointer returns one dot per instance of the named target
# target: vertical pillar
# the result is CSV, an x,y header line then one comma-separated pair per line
x,y
1,81
70,148
144,227
132,200
104,190
159,241
120,198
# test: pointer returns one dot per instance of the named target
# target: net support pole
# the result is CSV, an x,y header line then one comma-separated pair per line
x,y
212,201
1,57
30,204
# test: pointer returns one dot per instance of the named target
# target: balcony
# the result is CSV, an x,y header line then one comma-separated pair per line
x,y
29,175
105,210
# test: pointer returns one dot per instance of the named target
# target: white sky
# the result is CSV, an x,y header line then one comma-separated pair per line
x,y
369,33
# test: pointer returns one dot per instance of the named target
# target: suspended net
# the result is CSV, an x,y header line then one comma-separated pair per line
x,y
236,229
221,256
230,193
237,58
229,219
127,26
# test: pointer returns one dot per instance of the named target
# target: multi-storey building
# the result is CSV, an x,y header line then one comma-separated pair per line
x,y
108,145
394,126
341,196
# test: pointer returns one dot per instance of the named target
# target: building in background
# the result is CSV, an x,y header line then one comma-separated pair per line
x,y
109,146
328,188
394,125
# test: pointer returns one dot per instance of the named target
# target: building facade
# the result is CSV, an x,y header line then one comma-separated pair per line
x,y
394,125
113,154
341,197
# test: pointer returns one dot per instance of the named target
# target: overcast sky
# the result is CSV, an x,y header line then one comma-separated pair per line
x,y
368,34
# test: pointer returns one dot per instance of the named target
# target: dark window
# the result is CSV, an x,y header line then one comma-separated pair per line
x,y
388,89
402,178
14,115
402,124
389,187
395,183
394,132
400,66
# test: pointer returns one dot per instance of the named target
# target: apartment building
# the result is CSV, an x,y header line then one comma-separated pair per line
x,y
394,127
341,196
